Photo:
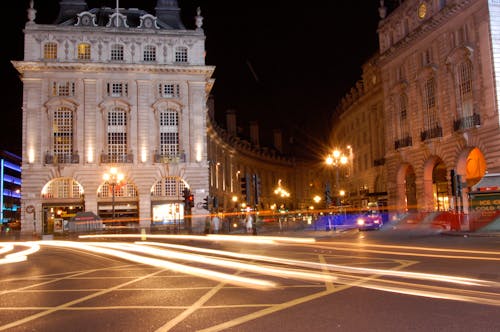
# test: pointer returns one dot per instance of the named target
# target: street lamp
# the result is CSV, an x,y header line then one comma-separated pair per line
x,y
113,178
337,159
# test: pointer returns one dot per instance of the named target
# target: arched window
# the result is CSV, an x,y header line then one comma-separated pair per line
x,y
50,51
149,53
62,188
117,52
83,51
170,187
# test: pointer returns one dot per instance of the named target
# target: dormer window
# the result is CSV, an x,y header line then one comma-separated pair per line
x,y
117,52
149,53
50,51
83,51
181,54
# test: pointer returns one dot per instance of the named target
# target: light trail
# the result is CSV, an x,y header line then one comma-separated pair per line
x,y
210,238
354,277
18,256
204,273
334,267
262,269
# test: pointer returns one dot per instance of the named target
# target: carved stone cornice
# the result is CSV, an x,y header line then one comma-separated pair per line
x,y
31,66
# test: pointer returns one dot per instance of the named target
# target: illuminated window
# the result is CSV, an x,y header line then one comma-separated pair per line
x,y
169,90
84,51
117,135
50,51
62,188
117,52
62,137
181,54
63,88
169,133
149,53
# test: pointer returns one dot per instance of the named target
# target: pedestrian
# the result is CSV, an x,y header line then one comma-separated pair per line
x,y
249,223
215,224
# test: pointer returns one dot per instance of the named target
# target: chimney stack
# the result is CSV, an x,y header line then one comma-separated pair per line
x,y
254,133
278,140
231,122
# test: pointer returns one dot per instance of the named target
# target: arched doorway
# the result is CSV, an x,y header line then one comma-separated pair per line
x,y
167,203
440,187
62,198
118,204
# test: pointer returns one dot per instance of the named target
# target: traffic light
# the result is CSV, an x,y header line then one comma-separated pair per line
x,y
244,188
257,185
188,198
205,203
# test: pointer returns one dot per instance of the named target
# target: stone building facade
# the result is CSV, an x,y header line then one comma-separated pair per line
x,y
439,65
359,132
113,89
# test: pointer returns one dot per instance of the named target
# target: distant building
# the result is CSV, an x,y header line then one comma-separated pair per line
x,y
10,187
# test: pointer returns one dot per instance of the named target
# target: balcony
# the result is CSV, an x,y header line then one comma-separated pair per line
x,y
56,158
402,142
169,158
434,132
117,158
467,122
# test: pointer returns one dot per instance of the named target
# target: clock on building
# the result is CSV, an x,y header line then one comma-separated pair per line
x,y
422,10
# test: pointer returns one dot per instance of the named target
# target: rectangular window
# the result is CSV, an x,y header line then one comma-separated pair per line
x,y
83,51
169,133
181,54
169,90
170,186
117,135
50,51
117,52
117,89
149,53
63,88
62,128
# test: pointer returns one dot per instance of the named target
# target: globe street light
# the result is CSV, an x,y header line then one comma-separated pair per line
x,y
113,178
337,159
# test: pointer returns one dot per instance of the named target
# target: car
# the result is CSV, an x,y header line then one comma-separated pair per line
x,y
369,220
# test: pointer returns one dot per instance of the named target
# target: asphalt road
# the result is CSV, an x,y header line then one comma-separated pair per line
x,y
334,281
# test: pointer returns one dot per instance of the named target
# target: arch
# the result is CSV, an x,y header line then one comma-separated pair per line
x,y
118,204
407,189
167,201
471,165
62,188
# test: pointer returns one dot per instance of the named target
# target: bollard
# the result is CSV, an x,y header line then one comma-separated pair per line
x,y
143,234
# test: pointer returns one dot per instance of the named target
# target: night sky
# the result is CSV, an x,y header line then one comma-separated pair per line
x,y
282,64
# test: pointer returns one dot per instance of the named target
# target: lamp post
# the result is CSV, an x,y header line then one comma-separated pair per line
x,y
336,159
113,178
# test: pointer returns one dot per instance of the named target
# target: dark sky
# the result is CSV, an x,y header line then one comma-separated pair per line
x,y
284,64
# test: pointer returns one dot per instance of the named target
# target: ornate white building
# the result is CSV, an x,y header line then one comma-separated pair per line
x,y
113,88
